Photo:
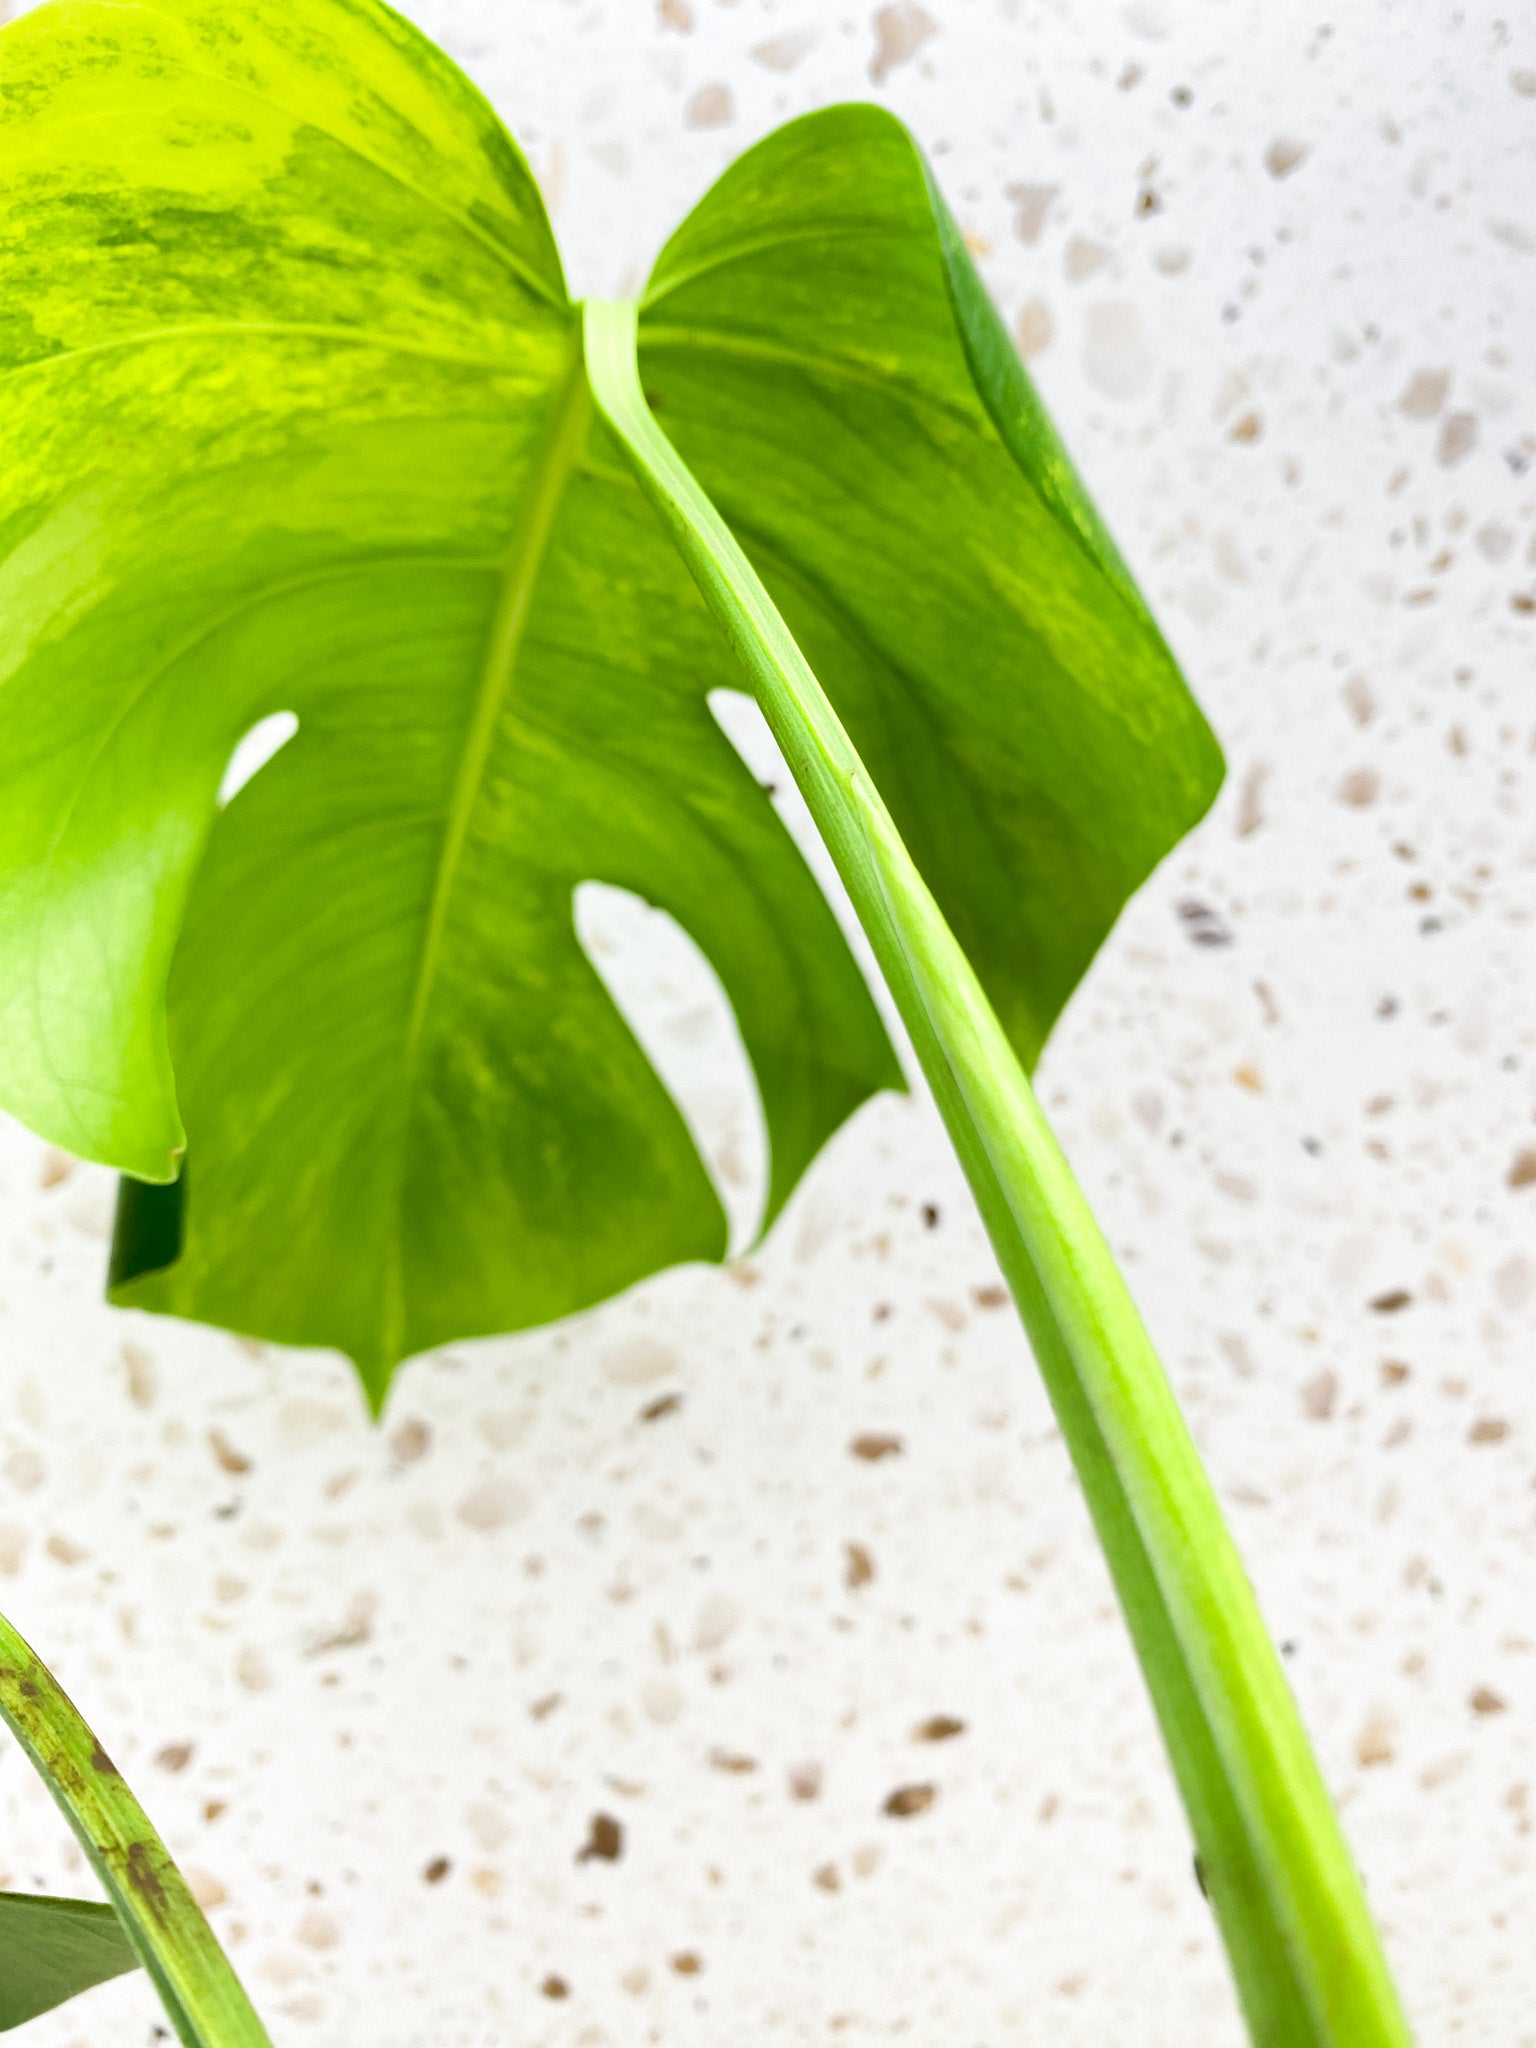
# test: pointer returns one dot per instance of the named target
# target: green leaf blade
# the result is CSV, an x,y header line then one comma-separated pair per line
x,y
54,1949
298,424
818,348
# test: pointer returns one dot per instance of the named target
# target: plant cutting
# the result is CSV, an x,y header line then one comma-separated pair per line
x,y
301,424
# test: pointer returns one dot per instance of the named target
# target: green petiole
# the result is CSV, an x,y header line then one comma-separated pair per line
x,y
1306,1957
201,1994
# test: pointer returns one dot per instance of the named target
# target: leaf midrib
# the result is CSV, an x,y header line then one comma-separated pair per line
x,y
557,458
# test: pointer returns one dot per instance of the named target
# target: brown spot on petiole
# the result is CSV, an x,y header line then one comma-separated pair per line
x,y
144,1878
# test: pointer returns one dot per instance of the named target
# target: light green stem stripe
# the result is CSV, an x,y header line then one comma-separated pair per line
x,y
201,1994
1307,1961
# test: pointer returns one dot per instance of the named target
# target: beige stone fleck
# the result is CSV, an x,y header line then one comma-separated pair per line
x,y
142,1378
662,1699
640,1362
719,1617
253,1671
305,1421
1458,437
732,1762
493,1503
354,1629
710,107
411,1441
25,1470
1359,788
1033,328
1250,803
783,53
1319,1395
900,32
1514,1282
805,1781
56,1166
1234,1349
317,1929
1085,258
1359,700
1374,1744
226,1455
1032,204
1443,1770
1425,393
205,1888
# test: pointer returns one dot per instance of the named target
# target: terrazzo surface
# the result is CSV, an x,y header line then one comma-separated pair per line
x,y
734,1661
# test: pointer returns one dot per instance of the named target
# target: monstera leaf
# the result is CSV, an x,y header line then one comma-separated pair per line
x,y
53,1949
296,419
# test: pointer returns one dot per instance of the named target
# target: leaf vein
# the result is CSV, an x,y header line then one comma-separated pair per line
x,y
358,337
844,368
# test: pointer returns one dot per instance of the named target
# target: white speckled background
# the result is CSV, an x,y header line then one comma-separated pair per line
x,y
1276,270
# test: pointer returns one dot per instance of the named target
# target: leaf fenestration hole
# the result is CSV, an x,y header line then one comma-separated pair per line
x,y
255,750
672,1000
